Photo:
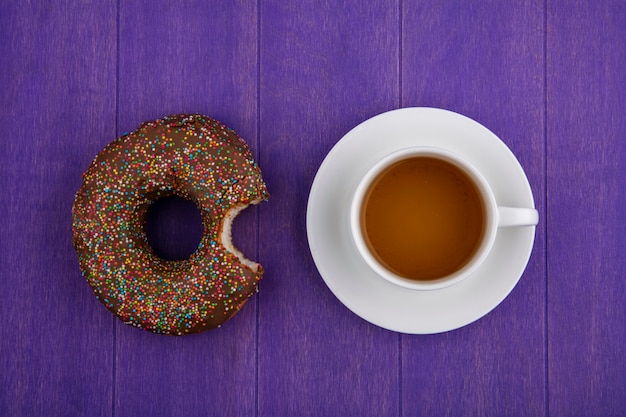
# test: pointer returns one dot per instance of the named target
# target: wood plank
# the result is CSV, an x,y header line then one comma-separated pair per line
x,y
484,60
57,105
190,57
325,67
587,236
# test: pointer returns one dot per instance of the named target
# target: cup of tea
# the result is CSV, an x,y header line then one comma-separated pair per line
x,y
425,218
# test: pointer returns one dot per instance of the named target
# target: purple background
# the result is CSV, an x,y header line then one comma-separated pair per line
x,y
292,77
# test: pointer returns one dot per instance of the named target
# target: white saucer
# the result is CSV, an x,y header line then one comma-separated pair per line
x,y
347,275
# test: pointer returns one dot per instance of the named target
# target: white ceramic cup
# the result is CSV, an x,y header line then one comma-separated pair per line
x,y
495,217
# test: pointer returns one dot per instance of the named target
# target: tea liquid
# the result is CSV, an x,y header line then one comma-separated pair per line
x,y
423,218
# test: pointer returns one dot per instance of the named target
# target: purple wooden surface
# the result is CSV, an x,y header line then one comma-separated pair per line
x,y
293,77
57,101
324,68
586,74
484,60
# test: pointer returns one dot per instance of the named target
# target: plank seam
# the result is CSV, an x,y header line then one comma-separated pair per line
x,y
400,104
257,213
117,132
545,204
400,55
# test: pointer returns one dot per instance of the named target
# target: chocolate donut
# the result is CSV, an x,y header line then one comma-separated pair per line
x,y
196,158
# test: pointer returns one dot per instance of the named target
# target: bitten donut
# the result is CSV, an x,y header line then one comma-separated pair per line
x,y
191,156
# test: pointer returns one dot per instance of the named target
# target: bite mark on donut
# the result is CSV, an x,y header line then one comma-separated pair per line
x,y
226,235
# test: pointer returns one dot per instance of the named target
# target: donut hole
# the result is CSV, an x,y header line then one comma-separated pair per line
x,y
173,227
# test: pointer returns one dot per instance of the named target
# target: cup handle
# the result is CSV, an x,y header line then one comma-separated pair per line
x,y
515,216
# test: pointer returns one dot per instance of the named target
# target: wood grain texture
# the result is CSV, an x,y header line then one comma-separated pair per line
x,y
57,100
586,82
484,60
325,67
547,76
190,56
